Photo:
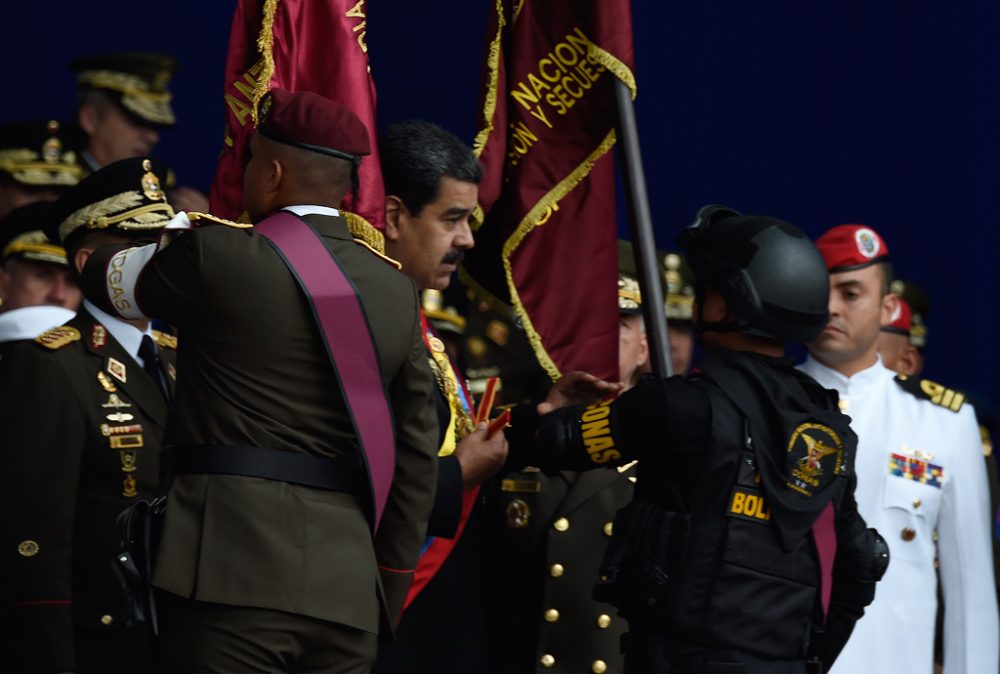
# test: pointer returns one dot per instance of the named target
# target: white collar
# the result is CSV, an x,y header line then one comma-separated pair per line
x,y
126,334
830,378
304,209
29,322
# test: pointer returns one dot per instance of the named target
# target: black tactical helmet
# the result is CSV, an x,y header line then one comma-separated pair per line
x,y
769,272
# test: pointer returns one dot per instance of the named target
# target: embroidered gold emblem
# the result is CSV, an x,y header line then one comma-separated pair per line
x,y
27,548
813,443
150,183
56,338
437,346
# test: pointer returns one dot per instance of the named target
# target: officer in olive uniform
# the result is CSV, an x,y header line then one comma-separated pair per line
x,y
267,560
37,289
742,550
547,535
123,103
83,408
38,161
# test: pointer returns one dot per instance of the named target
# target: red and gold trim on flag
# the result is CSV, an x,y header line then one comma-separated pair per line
x,y
452,387
546,230
298,45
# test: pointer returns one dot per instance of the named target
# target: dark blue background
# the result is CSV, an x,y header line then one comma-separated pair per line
x,y
818,112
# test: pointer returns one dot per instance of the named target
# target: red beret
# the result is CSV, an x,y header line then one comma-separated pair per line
x,y
849,247
902,319
309,121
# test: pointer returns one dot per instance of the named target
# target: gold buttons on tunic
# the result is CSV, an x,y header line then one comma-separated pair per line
x,y
561,524
599,667
603,621
916,503
908,534
547,660
551,615
609,527
27,548
557,570
106,619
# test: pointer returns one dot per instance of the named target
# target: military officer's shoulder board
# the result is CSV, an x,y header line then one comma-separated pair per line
x,y
925,389
57,338
209,219
164,340
364,234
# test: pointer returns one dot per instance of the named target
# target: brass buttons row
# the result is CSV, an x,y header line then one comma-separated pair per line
x,y
598,666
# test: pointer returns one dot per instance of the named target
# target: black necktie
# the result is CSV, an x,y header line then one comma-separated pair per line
x,y
151,363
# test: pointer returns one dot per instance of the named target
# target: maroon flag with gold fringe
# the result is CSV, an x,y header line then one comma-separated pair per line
x,y
298,45
545,243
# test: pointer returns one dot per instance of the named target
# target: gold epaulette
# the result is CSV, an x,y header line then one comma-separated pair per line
x,y
366,235
195,216
164,340
363,231
929,390
57,338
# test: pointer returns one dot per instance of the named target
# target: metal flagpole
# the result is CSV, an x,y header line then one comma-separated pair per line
x,y
641,226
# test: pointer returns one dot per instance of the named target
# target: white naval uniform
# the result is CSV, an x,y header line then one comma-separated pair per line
x,y
896,634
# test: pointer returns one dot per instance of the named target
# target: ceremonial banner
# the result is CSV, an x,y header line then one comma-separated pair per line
x,y
545,241
298,45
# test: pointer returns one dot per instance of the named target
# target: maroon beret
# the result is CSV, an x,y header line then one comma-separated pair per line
x,y
849,247
309,121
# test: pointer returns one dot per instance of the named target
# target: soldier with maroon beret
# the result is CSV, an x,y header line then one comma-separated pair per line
x,y
268,560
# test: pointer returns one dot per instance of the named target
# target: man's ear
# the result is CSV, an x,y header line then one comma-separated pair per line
x,y
80,259
890,305
393,213
643,351
909,361
275,174
88,117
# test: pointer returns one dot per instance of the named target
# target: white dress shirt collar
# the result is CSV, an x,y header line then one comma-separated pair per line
x,y
129,336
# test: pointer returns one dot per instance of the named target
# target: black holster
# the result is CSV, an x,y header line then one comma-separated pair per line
x,y
636,563
139,527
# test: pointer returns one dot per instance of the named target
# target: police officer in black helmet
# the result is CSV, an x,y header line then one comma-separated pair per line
x,y
743,550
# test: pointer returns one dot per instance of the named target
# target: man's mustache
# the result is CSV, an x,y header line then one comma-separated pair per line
x,y
454,256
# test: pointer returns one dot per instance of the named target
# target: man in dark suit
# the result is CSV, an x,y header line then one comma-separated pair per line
x,y
83,408
261,570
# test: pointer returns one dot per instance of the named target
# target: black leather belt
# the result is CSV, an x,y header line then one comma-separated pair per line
x,y
270,464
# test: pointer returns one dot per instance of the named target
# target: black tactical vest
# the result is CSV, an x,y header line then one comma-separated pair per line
x,y
717,563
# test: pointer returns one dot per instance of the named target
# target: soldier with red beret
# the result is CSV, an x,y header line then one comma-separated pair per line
x,y
919,472
304,464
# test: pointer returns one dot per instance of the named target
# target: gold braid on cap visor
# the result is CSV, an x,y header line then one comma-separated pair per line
x,y
136,94
122,211
34,246
29,168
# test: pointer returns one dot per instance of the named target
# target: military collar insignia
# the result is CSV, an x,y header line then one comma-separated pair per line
x,y
56,338
98,336
117,370
812,449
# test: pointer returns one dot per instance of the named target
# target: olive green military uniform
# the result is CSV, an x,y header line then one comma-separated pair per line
x,y
545,544
81,426
255,373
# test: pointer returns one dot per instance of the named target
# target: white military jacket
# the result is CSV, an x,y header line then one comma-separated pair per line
x,y
920,468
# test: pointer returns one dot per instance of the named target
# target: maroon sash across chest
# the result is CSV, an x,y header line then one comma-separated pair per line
x,y
349,343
